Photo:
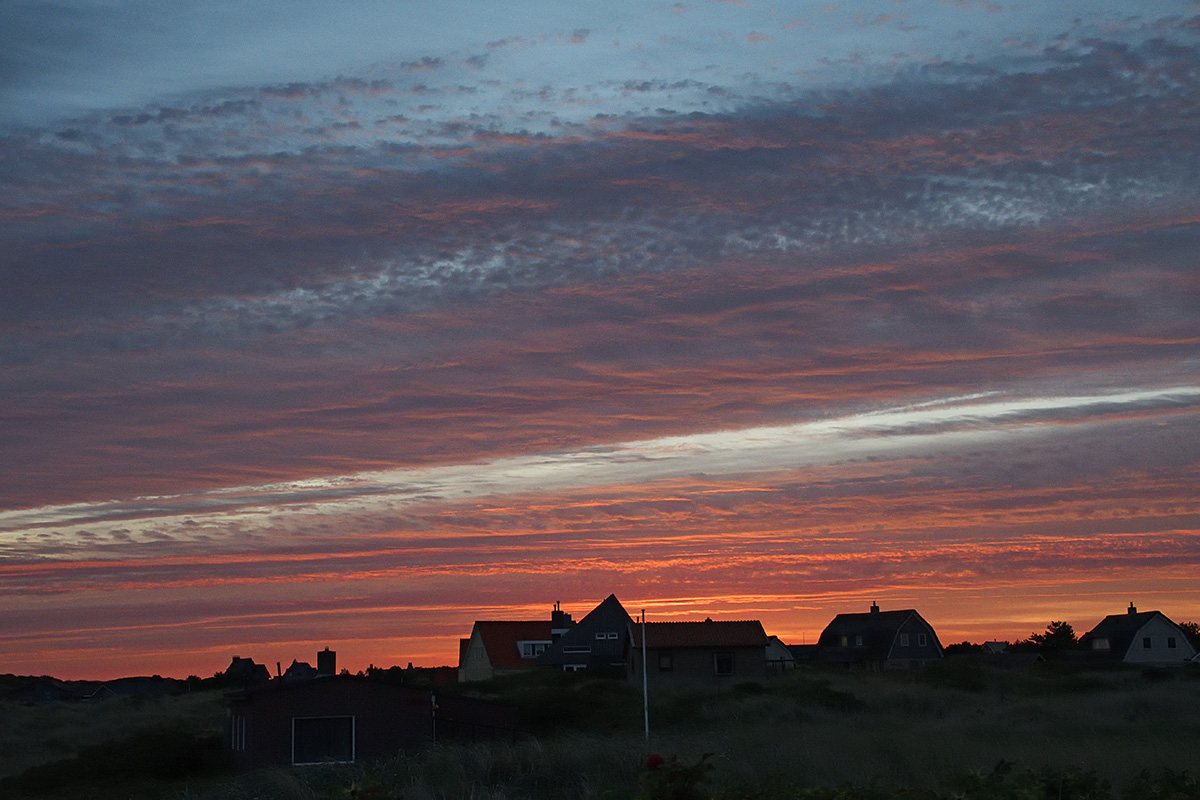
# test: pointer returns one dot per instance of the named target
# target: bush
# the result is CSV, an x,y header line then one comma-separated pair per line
x,y
161,755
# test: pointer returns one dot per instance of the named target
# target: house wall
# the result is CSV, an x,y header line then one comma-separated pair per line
x,y
387,719
914,654
1159,631
696,665
475,666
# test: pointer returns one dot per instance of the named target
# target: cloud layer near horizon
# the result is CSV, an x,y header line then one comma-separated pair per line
x,y
691,303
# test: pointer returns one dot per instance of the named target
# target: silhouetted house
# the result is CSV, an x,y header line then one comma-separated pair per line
x,y
879,640
803,653
1145,637
694,653
141,686
600,639
502,648
995,648
299,672
244,671
344,718
45,690
779,656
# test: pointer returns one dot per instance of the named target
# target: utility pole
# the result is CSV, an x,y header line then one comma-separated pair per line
x,y
645,680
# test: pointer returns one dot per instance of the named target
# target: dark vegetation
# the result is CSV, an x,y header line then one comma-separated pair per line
x,y
959,729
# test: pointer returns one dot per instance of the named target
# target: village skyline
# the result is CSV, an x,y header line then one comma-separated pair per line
x,y
354,323
278,659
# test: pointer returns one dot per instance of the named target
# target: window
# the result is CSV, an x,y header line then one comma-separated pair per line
x,y
1171,642
666,662
904,640
318,739
1100,644
722,663
921,640
858,640
1146,643
845,641
237,732
600,635
612,635
533,649
577,651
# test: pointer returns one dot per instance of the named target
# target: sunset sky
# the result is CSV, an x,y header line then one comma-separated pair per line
x,y
348,323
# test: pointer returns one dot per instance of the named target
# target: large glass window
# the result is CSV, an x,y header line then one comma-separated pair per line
x,y
318,739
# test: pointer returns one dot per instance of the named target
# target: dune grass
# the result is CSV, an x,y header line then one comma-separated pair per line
x,y
954,731
38,734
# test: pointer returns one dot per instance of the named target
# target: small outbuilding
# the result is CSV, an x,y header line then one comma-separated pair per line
x,y
347,718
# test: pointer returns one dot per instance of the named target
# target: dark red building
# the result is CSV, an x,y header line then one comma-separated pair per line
x,y
351,718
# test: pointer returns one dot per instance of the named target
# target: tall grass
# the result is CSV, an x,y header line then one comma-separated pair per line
x,y
799,735
38,734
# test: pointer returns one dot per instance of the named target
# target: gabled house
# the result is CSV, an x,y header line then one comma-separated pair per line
x,y
693,653
600,639
502,647
348,718
1139,637
879,640
299,672
246,672
779,656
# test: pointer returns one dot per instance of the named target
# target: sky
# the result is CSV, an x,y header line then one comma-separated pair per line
x,y
348,324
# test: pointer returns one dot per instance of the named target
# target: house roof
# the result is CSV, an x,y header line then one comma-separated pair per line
x,y
500,640
740,633
609,616
878,629
1120,630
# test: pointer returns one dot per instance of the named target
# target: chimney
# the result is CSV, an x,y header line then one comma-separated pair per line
x,y
1132,608
874,608
327,662
278,670
560,621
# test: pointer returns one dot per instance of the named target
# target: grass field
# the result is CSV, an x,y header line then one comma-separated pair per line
x,y
938,733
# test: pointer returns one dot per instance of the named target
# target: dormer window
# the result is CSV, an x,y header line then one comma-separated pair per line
x,y
532,649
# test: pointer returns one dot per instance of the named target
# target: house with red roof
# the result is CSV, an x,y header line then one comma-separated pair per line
x,y
697,653
502,647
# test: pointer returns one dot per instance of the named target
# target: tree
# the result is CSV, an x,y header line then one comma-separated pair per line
x,y
1192,630
1059,635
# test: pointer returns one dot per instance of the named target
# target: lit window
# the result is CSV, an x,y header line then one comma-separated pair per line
x,y
722,663
845,641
